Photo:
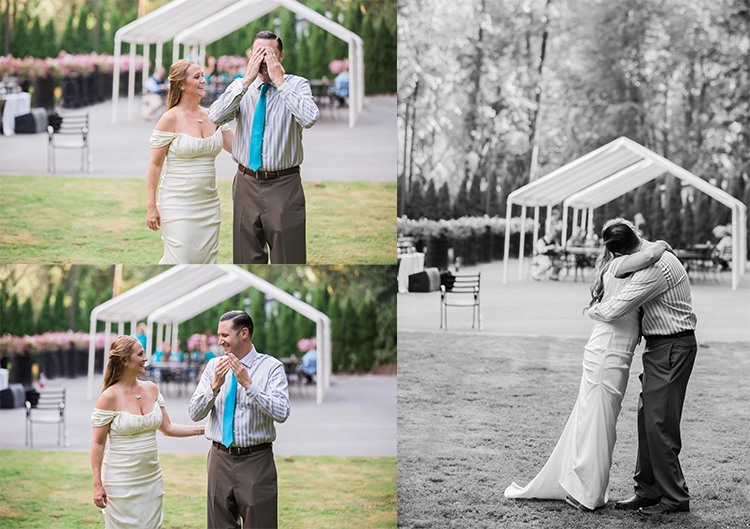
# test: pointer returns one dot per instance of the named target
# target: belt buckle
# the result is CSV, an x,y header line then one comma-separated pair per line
x,y
234,451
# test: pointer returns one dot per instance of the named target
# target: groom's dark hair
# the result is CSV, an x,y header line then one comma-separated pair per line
x,y
240,319
620,237
268,35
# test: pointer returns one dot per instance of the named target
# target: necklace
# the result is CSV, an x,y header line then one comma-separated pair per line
x,y
196,119
129,393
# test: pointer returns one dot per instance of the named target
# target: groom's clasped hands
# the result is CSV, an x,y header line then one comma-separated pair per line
x,y
227,363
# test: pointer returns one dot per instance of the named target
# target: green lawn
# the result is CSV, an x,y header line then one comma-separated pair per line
x,y
100,221
52,490
477,412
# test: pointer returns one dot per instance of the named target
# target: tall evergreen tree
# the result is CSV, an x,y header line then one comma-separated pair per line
x,y
272,336
370,55
461,205
673,214
15,326
353,17
655,221
318,52
337,48
3,294
476,204
337,345
84,39
688,237
303,57
258,314
287,336
60,320
44,316
700,211
430,201
350,336
386,58
19,41
289,38
368,335
27,318
37,46
68,41
444,208
415,204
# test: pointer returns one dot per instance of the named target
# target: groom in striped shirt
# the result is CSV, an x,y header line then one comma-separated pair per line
x,y
663,292
272,108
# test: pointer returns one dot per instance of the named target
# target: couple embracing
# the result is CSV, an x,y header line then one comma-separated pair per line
x,y
272,108
640,289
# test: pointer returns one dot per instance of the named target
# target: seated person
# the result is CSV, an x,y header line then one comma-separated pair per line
x,y
156,88
163,353
176,354
340,89
722,252
546,262
309,365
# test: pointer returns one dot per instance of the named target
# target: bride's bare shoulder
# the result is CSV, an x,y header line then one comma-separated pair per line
x,y
108,399
168,121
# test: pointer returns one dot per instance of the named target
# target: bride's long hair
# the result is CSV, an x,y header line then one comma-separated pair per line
x,y
121,349
618,235
177,77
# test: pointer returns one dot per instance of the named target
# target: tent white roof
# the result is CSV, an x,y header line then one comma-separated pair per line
x,y
184,291
201,22
611,171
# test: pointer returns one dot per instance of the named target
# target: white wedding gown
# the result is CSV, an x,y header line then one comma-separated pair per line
x,y
131,474
188,199
580,463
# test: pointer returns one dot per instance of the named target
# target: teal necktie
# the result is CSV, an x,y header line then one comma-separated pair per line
x,y
227,429
256,136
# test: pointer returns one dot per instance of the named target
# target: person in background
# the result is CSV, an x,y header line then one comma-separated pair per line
x,y
140,333
156,90
340,89
722,252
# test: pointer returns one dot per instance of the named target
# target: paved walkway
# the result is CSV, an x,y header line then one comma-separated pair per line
x,y
357,418
333,151
527,307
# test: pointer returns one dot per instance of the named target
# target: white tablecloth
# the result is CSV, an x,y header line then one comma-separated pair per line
x,y
4,378
411,263
15,105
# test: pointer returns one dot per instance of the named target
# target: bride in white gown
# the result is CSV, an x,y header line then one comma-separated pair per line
x,y
188,211
127,480
578,469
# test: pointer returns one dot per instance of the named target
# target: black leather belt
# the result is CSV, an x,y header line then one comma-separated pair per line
x,y
682,334
241,451
268,175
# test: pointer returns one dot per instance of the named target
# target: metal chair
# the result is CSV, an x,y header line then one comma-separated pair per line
x,y
466,288
49,409
71,133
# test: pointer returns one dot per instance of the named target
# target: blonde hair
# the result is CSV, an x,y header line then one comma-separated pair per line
x,y
177,77
118,354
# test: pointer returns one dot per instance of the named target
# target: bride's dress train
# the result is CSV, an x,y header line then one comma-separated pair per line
x,y
580,463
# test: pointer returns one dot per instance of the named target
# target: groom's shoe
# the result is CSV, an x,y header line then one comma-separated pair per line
x,y
575,503
635,503
660,508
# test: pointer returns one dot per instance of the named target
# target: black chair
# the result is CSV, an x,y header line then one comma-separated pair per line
x,y
71,133
463,293
49,409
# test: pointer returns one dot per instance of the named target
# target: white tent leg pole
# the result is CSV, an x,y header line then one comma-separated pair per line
x,y
116,79
107,344
506,250
319,362
564,236
131,83
353,103
175,328
120,328
522,241
202,56
361,66
159,59
149,339
536,225
328,359
175,52
736,234
133,327
591,222
92,354
548,221
576,211
159,336
146,65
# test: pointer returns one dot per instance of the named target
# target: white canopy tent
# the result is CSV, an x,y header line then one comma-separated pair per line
x,y
201,22
185,291
605,174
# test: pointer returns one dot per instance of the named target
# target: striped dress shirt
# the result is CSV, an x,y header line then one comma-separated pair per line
x,y
289,109
265,401
663,290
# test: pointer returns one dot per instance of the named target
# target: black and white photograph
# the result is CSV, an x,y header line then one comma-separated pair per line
x,y
572,246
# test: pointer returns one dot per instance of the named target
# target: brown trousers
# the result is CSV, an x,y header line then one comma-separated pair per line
x,y
667,365
242,487
268,213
